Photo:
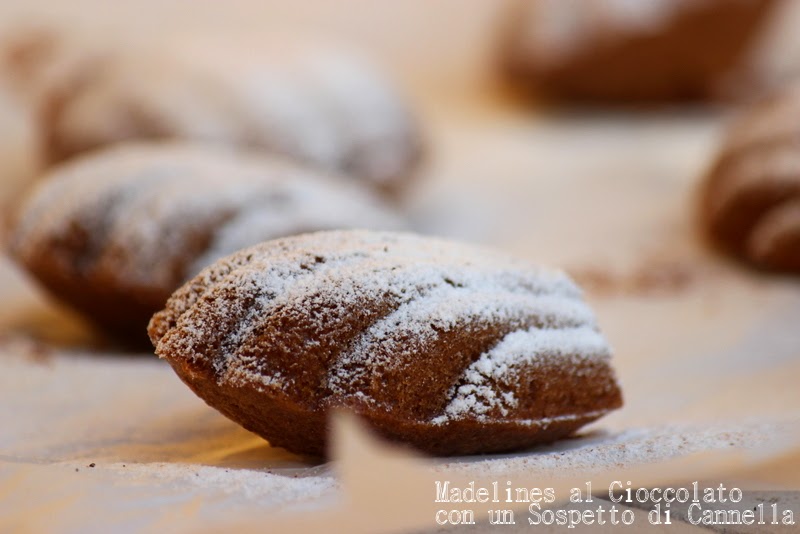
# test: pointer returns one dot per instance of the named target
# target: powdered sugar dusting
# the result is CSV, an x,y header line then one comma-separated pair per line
x,y
145,209
321,105
243,483
430,287
555,29
477,396
636,446
444,309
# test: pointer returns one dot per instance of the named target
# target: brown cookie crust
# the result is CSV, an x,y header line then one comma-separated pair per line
x,y
449,348
617,51
316,104
116,232
750,198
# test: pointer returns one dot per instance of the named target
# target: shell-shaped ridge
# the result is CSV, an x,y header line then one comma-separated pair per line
x,y
417,335
115,232
750,197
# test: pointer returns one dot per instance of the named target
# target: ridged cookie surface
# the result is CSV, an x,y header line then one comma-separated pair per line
x,y
624,51
114,233
450,348
751,196
319,105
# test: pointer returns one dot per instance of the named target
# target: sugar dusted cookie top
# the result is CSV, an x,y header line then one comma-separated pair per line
x,y
321,105
451,348
115,232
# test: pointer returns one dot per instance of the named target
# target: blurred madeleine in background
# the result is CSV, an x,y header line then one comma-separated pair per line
x,y
114,232
315,103
750,198
637,51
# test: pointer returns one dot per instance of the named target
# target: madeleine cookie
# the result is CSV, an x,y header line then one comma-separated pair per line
x,y
632,51
321,106
750,204
449,348
114,233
